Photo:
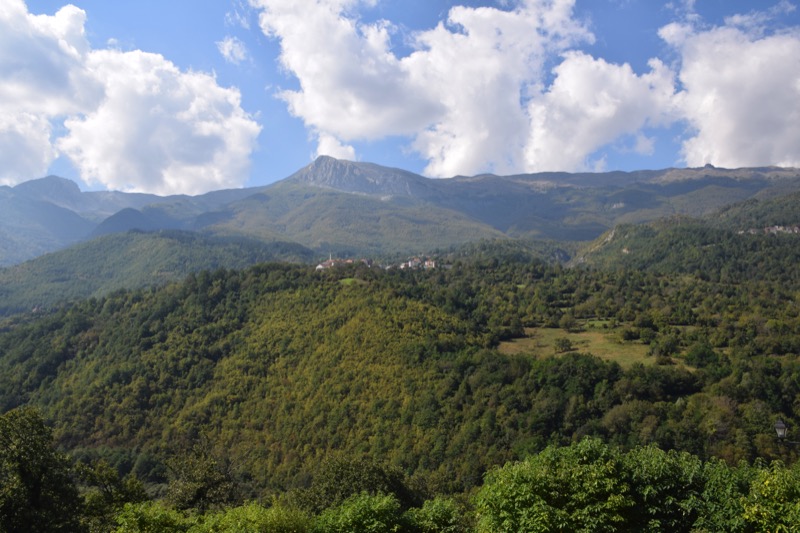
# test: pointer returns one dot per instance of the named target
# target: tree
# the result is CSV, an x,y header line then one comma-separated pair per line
x,y
151,517
439,515
363,513
106,493
562,344
36,488
577,488
667,488
774,500
339,478
254,517
701,355
568,323
199,480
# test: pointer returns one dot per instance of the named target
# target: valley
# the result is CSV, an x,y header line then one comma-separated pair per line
x,y
187,377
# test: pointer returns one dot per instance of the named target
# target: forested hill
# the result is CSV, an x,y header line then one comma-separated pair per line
x,y
748,241
130,260
458,398
278,366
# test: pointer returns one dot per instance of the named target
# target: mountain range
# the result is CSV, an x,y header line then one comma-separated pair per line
x,y
59,243
355,208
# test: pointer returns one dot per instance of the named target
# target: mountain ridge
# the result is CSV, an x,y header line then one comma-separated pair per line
x,y
357,208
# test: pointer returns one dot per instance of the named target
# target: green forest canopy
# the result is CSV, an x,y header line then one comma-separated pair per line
x,y
275,369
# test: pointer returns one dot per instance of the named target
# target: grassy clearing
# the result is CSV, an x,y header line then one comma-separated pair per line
x,y
352,281
594,339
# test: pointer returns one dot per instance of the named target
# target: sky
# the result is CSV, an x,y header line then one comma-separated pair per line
x,y
189,96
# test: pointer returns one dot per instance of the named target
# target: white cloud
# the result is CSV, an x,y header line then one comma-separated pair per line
x,y
644,145
25,145
134,121
159,129
461,94
590,104
473,95
239,16
483,66
757,22
330,145
42,61
352,86
740,94
42,78
233,50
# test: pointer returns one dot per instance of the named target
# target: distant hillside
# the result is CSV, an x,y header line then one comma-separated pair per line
x,y
130,260
759,213
358,208
349,224
49,214
752,240
31,227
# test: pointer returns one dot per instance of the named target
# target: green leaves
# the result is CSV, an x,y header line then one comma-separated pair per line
x,y
773,503
254,517
279,366
439,515
362,513
589,486
339,478
36,489
576,488
105,493
200,480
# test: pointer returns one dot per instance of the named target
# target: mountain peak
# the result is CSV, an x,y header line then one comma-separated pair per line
x,y
51,189
50,186
356,177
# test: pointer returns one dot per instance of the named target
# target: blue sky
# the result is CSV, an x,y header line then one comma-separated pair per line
x,y
187,96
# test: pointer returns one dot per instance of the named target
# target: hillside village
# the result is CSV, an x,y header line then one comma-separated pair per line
x,y
772,230
413,263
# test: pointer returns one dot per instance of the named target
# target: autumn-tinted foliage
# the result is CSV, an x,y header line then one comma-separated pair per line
x,y
277,366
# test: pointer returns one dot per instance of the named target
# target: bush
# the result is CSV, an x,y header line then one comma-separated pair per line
x,y
774,500
151,517
363,513
440,515
254,517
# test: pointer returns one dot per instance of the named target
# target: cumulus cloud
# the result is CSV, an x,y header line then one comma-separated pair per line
x,y
590,104
482,66
740,88
43,77
352,86
25,144
132,120
331,146
233,50
159,129
459,94
508,89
